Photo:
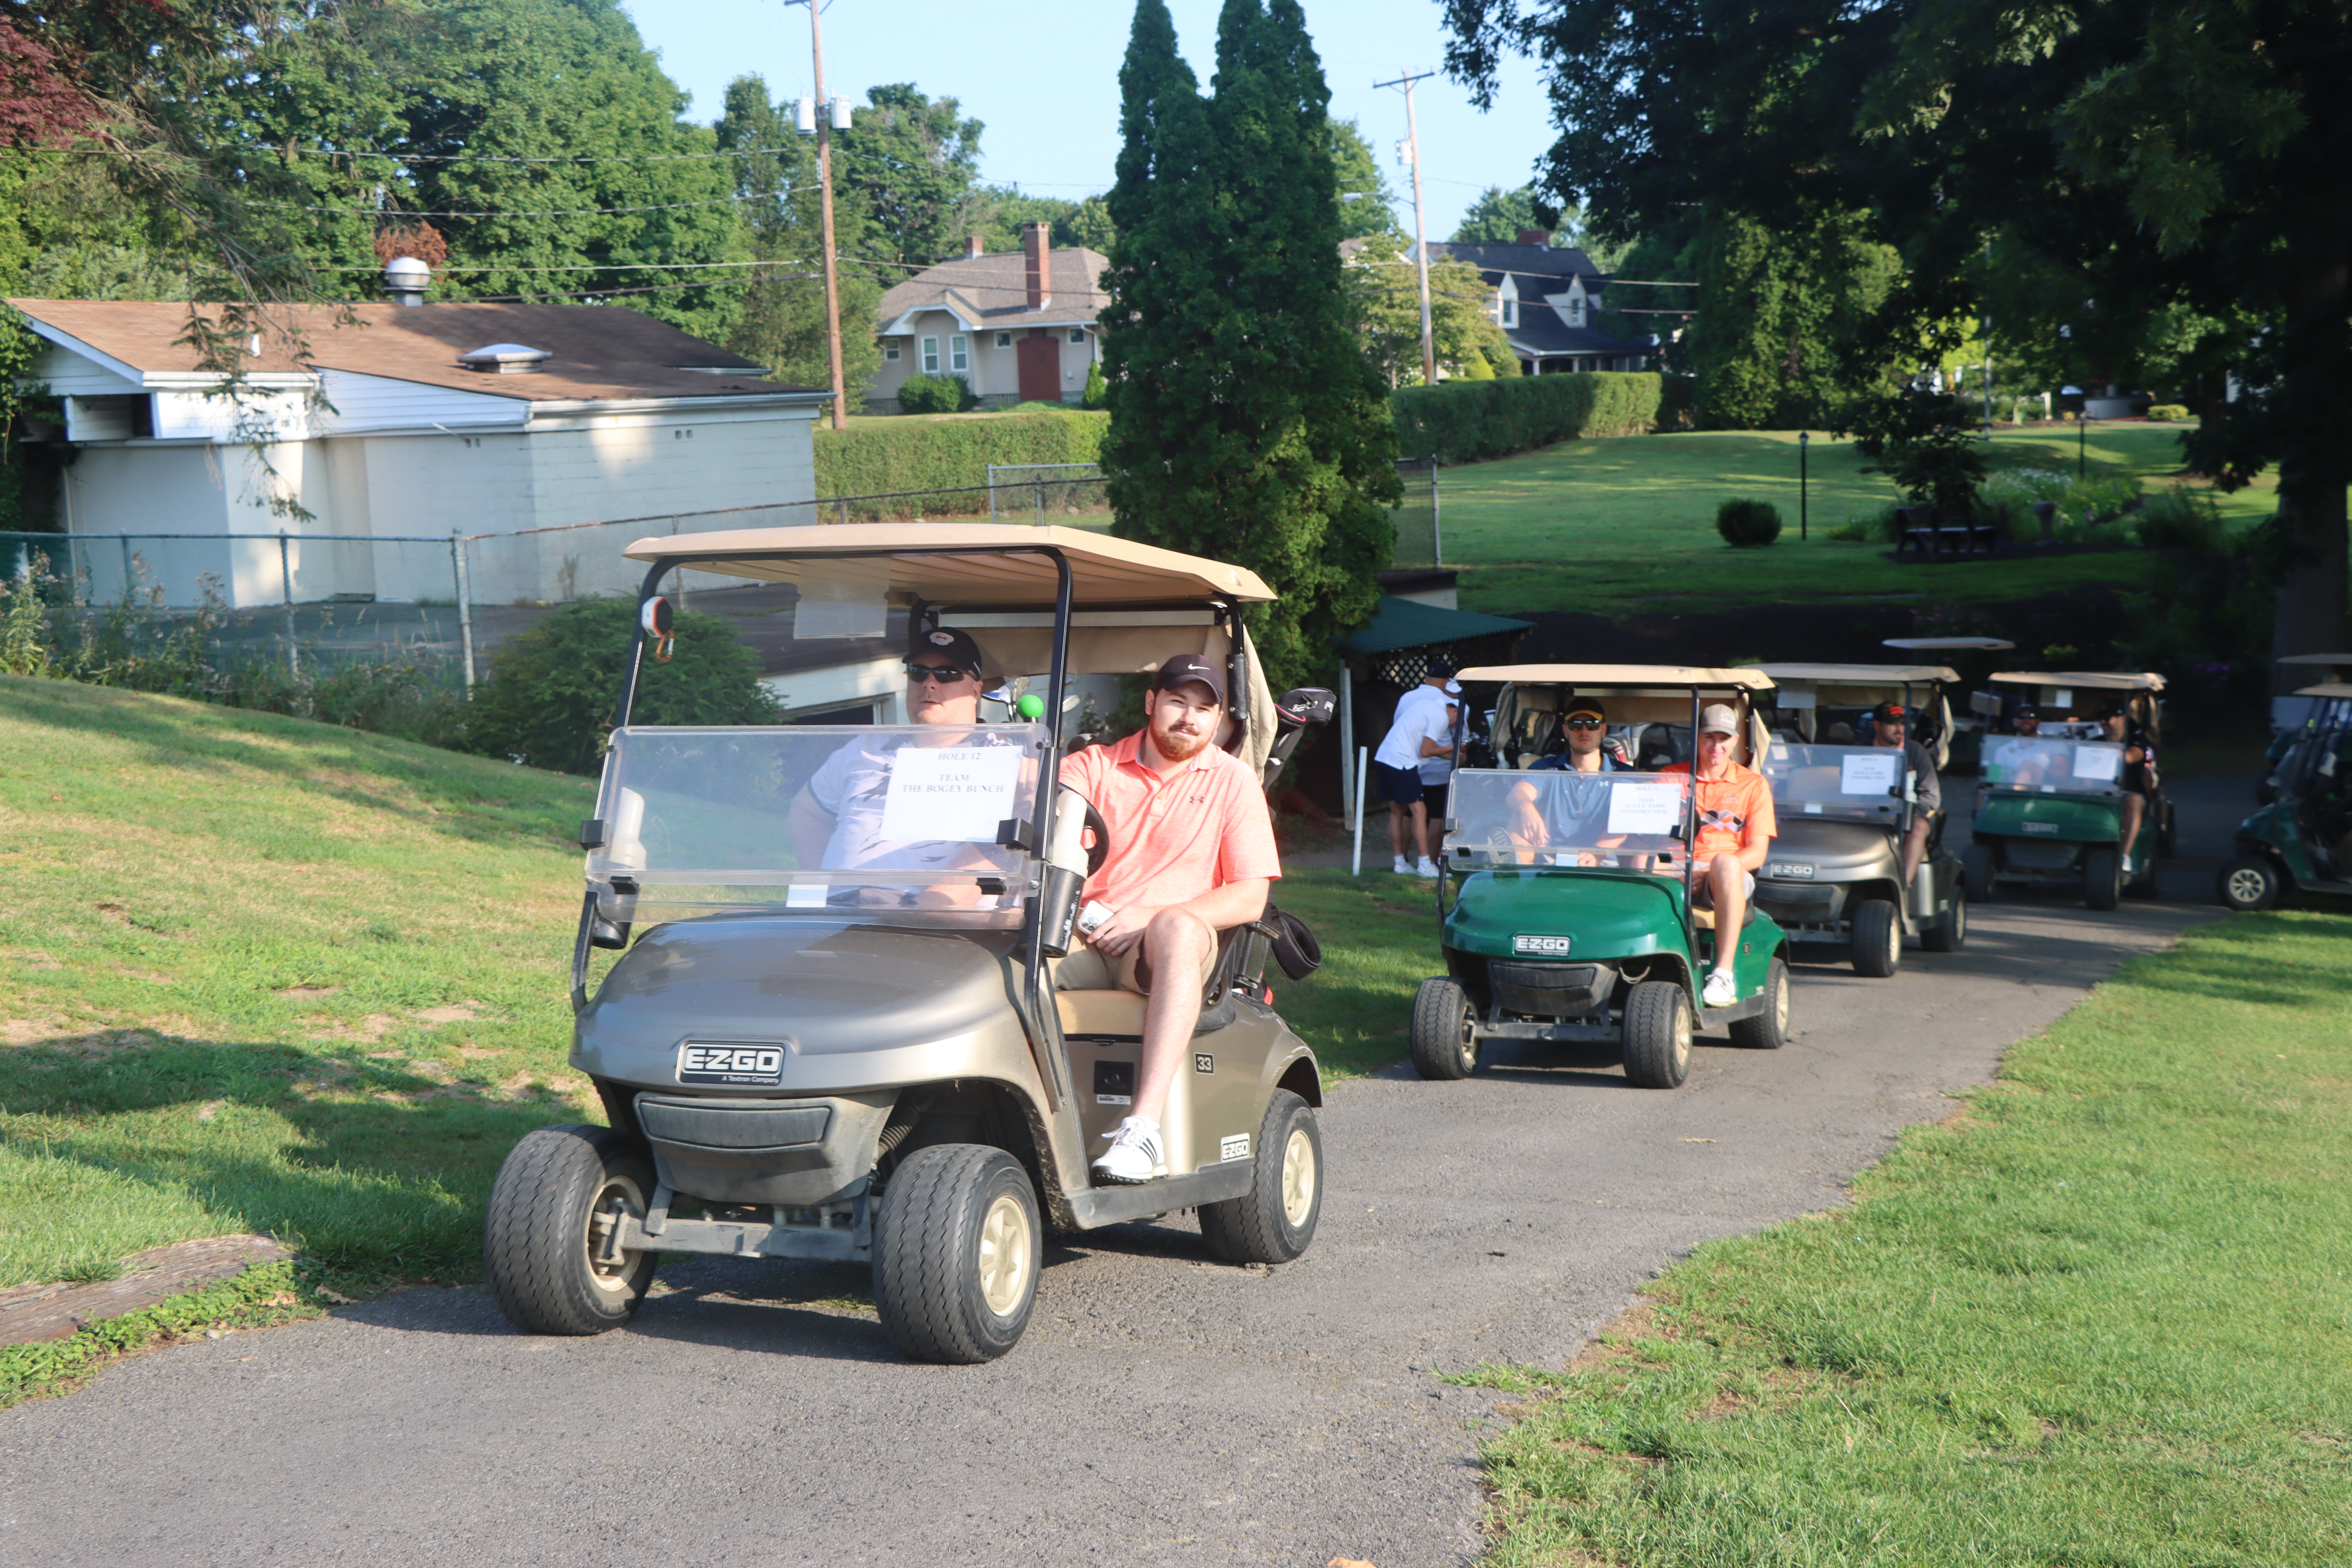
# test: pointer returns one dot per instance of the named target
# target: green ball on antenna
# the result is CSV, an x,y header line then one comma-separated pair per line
x,y
1031,706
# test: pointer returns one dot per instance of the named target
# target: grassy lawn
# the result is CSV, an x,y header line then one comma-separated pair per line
x,y
2098,1319
1613,526
263,975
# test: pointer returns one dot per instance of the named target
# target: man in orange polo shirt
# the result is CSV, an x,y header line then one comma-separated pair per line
x,y
1735,825
1191,853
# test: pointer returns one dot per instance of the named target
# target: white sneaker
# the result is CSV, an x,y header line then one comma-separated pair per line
x,y
1401,866
1721,990
1134,1156
1428,868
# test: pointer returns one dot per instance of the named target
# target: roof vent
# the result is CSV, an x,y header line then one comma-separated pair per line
x,y
404,278
506,359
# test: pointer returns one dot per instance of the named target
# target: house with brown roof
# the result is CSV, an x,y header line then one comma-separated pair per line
x,y
1017,326
398,420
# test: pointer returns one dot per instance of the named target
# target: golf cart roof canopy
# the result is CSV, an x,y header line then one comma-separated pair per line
x,y
2335,688
2083,680
1948,645
968,562
1644,677
2334,664
1858,674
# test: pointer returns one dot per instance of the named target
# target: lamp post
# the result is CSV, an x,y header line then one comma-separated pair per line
x,y
1804,445
2082,430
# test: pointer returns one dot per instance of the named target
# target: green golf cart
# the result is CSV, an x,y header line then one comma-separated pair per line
x,y
2294,717
2301,840
1566,910
2050,806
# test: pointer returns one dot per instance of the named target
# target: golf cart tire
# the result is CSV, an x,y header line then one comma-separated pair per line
x,y
1976,872
958,1223
1444,1040
2102,876
1878,939
2249,885
537,1239
1769,1030
1657,1035
1951,933
1274,1220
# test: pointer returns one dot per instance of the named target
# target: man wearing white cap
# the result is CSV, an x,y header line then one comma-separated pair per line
x,y
1736,825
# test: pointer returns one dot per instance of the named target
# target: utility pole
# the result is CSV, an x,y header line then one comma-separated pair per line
x,y
825,121
1419,238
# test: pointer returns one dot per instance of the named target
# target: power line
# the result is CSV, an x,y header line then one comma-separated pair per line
x,y
511,211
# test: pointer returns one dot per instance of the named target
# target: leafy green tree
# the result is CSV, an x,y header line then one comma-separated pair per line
x,y
548,697
1386,292
1367,206
1779,319
1245,424
1007,209
1498,216
914,164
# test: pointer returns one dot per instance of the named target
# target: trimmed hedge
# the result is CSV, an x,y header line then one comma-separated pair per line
x,y
1462,421
1747,522
946,451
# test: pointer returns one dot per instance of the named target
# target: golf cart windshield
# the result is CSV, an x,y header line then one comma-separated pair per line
x,y
2040,766
1853,783
898,823
1563,818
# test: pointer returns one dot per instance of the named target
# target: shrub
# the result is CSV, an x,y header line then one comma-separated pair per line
x,y
2166,411
2182,519
1097,390
1476,368
884,456
1504,363
935,395
1747,522
1463,421
551,688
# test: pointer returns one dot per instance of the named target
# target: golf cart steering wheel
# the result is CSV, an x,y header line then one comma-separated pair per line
x,y
1099,850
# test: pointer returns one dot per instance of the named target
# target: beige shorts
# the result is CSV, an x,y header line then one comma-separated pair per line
x,y
1090,969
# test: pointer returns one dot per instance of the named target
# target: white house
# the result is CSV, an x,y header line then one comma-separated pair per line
x,y
1018,326
408,421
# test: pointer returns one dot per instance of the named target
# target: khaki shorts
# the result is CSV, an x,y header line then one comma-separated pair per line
x,y
1090,969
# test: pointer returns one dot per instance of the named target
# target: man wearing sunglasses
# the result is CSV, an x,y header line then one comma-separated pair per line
x,y
837,818
1588,751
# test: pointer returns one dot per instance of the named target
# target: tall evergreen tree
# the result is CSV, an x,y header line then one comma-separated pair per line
x,y
1245,424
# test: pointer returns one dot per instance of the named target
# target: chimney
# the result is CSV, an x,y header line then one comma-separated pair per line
x,y
1041,264
973,249
404,278
1534,237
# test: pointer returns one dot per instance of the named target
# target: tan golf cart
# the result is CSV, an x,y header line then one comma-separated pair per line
x,y
837,1055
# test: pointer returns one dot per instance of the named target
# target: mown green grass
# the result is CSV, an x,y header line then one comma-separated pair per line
x,y
2100,1319
1615,526
263,975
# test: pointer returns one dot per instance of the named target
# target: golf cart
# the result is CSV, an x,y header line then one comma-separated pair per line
x,y
1845,807
1572,919
2050,808
2292,842
2294,717
805,1054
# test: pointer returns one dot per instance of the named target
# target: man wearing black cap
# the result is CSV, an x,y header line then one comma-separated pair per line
x,y
1890,725
1422,731
1585,727
1191,853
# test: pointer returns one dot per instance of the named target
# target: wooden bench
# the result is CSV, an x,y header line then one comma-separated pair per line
x,y
1933,533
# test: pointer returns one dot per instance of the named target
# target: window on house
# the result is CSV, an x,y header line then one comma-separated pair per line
x,y
890,348
930,356
1510,313
1005,340
959,354
1077,335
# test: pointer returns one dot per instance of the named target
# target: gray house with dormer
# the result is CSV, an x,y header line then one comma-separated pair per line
x,y
1545,299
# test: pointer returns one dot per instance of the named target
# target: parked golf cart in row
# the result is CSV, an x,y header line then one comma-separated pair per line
x,y
1571,917
2049,807
2296,716
2300,841
805,1058
1845,807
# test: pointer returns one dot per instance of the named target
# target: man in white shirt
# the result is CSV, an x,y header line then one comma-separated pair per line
x,y
1423,729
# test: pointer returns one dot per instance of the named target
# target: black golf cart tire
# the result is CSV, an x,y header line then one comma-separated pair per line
x,y
1951,933
1658,1026
1877,937
1976,871
2102,876
931,1269
1444,1043
2249,885
536,1240
1769,1030
1274,1220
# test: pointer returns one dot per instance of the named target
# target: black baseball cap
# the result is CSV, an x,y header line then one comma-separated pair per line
x,y
1190,667
945,642
1890,713
2026,710
1583,705
1439,664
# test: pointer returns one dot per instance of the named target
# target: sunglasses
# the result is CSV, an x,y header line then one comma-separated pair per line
x,y
945,673
1587,724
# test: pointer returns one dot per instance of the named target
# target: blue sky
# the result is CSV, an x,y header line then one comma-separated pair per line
x,y
1043,76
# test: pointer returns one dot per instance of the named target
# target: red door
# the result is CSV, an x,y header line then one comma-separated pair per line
x,y
1041,367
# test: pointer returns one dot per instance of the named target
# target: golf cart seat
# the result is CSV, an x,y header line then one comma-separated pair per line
x,y
1115,1012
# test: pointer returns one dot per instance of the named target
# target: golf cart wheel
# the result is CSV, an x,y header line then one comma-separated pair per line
x,y
956,1248
1952,934
1445,1032
544,1246
1976,872
1657,1035
2249,885
1878,939
1274,1220
2102,876
1769,1030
